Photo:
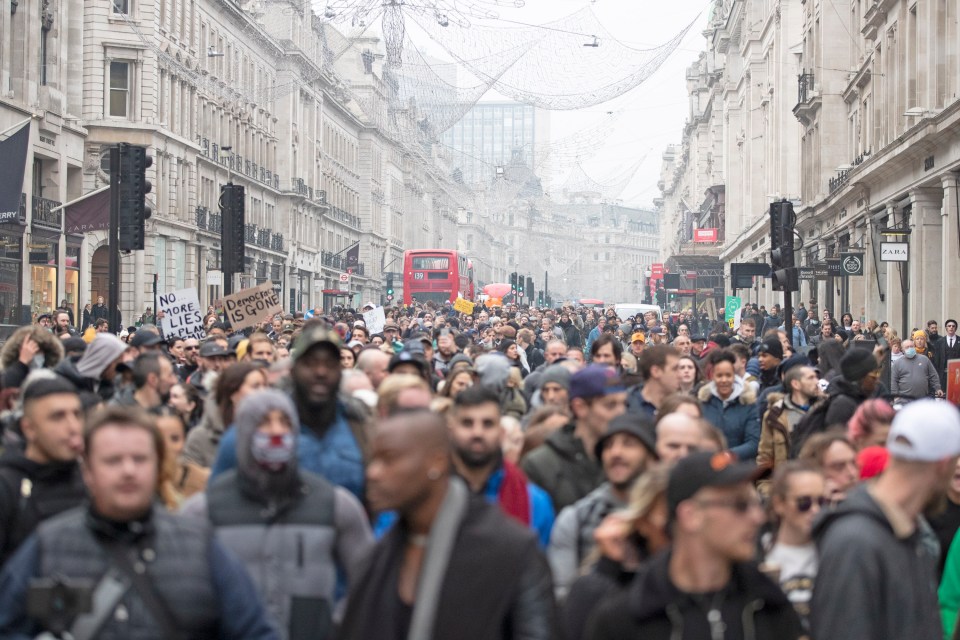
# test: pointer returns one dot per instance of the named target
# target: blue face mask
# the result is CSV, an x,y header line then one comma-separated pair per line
x,y
910,352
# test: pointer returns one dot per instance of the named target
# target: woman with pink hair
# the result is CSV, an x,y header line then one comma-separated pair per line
x,y
870,424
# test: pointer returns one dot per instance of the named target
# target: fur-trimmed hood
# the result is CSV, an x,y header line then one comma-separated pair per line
x,y
742,393
50,346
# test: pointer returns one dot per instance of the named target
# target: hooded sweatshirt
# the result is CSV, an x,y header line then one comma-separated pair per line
x,y
293,530
873,582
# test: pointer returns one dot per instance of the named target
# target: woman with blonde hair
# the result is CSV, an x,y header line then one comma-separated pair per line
x,y
625,540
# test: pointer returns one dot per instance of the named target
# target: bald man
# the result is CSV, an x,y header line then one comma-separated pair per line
x,y
494,578
678,435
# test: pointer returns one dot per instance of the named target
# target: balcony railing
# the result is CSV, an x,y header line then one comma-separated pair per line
x,y
333,261
263,238
841,179
276,242
213,222
237,163
201,214
44,216
338,214
804,86
250,233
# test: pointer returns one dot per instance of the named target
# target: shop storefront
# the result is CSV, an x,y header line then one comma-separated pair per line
x,y
42,258
11,261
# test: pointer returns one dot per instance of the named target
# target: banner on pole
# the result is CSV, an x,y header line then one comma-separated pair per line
x,y
251,306
182,317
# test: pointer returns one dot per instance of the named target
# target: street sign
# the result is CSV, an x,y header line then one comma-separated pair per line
x,y
894,251
730,308
691,275
344,277
851,264
519,294
389,298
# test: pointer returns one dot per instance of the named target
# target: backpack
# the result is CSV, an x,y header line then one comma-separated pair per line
x,y
815,421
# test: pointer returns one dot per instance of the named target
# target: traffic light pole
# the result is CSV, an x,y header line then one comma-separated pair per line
x,y
113,247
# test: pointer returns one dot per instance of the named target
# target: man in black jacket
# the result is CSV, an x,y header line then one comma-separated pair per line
x,y
706,585
565,466
43,479
452,566
946,349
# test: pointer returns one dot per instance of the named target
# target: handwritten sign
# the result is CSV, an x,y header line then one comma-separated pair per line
x,y
181,316
375,319
463,306
250,306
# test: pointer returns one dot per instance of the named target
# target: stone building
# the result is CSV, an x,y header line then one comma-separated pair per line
x,y
41,48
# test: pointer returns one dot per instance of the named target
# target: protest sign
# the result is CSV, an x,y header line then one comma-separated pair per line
x,y
375,319
251,306
181,315
463,306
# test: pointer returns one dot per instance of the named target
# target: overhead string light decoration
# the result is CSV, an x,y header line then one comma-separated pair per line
x,y
579,182
570,63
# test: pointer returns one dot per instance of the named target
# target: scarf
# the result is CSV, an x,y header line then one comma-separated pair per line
x,y
920,334
513,497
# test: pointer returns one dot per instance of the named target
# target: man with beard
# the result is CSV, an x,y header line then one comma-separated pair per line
x,y
446,349
625,451
293,530
191,348
707,585
43,479
452,566
477,436
333,432
877,577
153,377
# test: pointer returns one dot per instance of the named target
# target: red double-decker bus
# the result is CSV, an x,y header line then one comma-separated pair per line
x,y
437,275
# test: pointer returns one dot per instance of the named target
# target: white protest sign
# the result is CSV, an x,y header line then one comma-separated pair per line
x,y
375,320
250,306
182,317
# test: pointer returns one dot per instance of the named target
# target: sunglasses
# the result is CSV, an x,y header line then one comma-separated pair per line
x,y
741,506
805,503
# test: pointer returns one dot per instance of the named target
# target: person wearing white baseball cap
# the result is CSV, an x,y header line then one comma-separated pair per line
x,y
878,577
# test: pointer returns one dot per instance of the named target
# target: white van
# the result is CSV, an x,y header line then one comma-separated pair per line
x,y
626,309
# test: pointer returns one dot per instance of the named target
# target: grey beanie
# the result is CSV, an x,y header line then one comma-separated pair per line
x,y
556,373
104,349
251,412
494,370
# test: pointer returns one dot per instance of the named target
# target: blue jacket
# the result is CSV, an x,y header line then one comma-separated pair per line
x,y
336,456
736,416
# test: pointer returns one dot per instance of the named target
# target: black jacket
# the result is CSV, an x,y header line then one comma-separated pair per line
x,y
752,608
870,584
31,492
605,580
845,397
562,468
942,354
496,586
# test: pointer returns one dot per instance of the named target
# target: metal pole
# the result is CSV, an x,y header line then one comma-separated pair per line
x,y
113,247
155,279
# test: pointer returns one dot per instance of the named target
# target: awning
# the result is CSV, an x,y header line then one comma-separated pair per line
x,y
90,212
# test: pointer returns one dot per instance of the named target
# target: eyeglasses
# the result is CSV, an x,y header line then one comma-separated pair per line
x,y
741,506
805,503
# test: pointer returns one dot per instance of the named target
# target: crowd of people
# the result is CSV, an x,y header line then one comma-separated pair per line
x,y
511,473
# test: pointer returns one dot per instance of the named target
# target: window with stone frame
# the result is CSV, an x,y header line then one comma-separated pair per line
x,y
120,89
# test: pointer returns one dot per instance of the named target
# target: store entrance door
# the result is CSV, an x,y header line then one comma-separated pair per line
x,y
100,274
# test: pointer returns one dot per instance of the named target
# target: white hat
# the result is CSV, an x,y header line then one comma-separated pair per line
x,y
925,431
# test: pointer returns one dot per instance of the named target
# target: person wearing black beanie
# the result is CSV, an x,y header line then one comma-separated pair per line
x,y
860,373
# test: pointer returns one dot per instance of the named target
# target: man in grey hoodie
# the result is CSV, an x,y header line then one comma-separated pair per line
x,y
293,530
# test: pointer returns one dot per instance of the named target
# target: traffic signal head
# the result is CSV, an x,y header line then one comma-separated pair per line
x,y
133,189
782,259
520,284
390,285
232,228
